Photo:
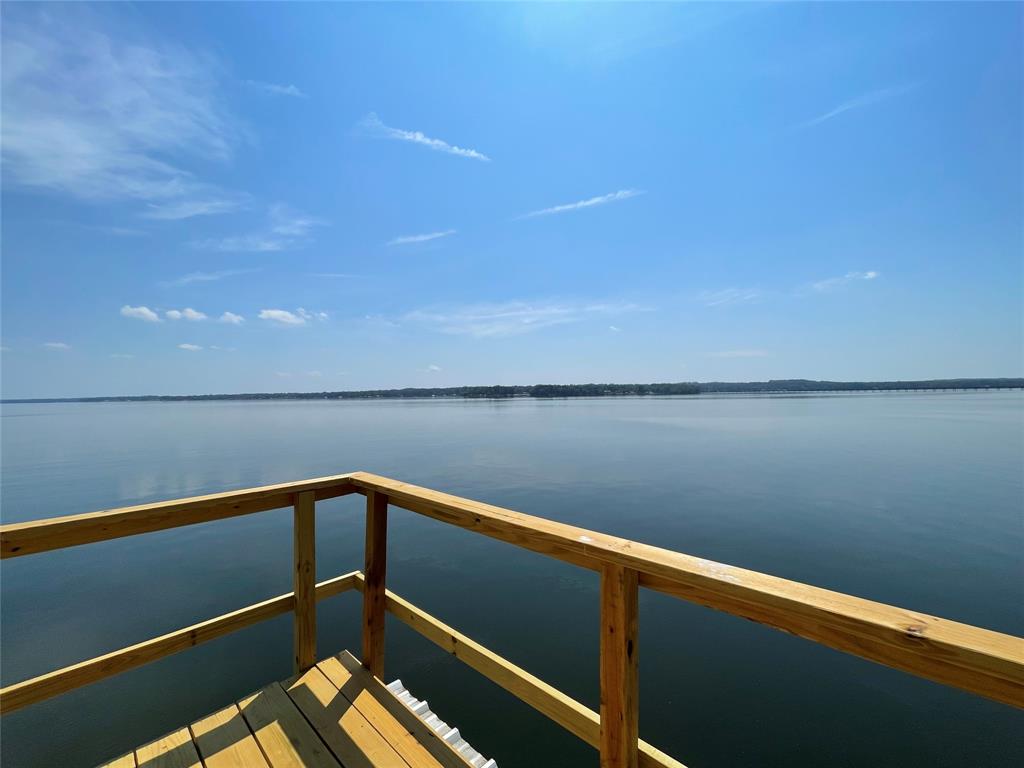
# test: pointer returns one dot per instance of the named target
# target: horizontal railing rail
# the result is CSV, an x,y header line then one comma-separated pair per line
x,y
980,661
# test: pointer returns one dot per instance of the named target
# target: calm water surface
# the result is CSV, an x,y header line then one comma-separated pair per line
x,y
911,499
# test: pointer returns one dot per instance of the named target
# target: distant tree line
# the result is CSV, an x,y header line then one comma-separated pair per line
x,y
573,390
809,385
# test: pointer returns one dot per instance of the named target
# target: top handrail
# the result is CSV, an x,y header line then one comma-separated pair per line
x,y
977,660
34,536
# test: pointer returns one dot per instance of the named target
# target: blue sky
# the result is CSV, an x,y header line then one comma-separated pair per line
x,y
232,198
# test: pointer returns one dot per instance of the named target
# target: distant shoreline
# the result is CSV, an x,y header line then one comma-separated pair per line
x,y
548,391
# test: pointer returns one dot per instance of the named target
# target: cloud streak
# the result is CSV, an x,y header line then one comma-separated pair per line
x,y
372,125
612,197
864,100
511,318
728,296
286,228
187,209
276,89
206,277
409,239
824,286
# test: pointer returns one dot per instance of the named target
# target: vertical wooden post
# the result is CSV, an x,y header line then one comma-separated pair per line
x,y
374,572
619,721
304,580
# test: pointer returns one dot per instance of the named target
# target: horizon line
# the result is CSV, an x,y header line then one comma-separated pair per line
x,y
1002,382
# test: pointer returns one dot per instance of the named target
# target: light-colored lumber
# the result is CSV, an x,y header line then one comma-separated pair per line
x,y
419,746
224,741
285,737
19,695
175,750
355,742
124,761
618,667
304,578
17,539
576,718
977,660
375,573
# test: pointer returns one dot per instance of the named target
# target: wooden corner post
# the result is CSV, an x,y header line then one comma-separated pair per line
x,y
304,577
374,572
619,722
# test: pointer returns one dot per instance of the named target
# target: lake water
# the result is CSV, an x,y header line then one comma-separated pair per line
x,y
911,499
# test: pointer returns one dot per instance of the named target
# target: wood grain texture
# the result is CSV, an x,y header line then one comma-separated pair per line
x,y
375,573
576,718
618,667
285,737
352,739
17,539
43,687
354,687
175,750
304,582
224,741
978,660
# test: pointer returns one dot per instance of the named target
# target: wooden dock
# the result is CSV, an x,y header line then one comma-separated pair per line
x,y
335,714
337,711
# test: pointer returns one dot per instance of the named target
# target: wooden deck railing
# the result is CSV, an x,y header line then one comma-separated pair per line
x,y
977,660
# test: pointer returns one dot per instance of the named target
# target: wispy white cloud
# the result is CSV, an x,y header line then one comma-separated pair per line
x,y
864,100
611,197
287,228
432,368
140,313
307,315
190,347
728,296
186,209
101,116
206,277
408,239
57,345
823,286
741,353
121,231
231,318
614,329
185,314
511,318
277,90
372,125
121,356
254,243
287,221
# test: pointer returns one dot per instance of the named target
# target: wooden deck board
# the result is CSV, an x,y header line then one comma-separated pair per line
x,y
352,739
124,761
175,750
287,739
334,715
225,741
414,741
